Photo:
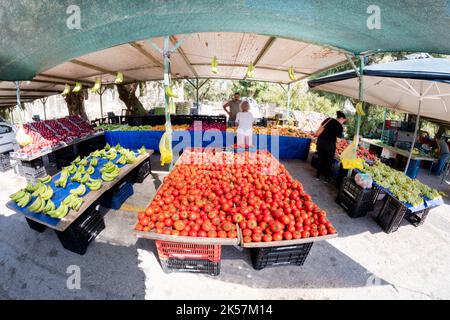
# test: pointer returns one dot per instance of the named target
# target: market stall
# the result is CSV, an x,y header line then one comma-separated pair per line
x,y
213,198
104,177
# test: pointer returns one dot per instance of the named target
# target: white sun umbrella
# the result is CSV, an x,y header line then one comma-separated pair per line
x,y
420,86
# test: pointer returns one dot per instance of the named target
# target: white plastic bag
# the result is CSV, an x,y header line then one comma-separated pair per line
x,y
364,180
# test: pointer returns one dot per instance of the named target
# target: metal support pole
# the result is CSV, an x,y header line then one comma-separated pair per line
x,y
17,83
196,92
415,129
166,56
100,93
288,100
44,102
384,124
360,97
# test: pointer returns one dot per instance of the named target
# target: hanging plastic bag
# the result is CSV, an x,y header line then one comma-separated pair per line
x,y
349,158
364,180
22,138
165,148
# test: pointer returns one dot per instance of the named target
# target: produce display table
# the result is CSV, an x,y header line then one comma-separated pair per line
x,y
22,157
415,159
89,199
289,147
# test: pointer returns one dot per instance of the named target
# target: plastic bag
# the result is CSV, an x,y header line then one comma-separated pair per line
x,y
364,180
22,138
349,159
165,148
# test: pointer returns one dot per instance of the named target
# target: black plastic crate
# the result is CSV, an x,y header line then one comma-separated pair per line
x,y
82,231
391,214
115,197
36,163
142,172
191,265
356,200
36,226
279,256
417,218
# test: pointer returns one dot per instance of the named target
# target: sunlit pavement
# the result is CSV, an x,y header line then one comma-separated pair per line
x,y
362,263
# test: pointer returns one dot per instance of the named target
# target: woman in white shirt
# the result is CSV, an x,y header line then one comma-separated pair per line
x,y
244,119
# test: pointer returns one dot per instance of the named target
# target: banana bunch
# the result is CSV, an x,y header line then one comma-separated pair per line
x,y
38,205
107,147
291,73
76,177
131,157
95,154
122,159
214,65
49,206
83,162
31,187
93,162
81,169
73,201
62,181
77,160
22,198
169,92
79,191
142,150
71,169
94,184
110,171
359,109
111,156
250,70
44,191
59,213
45,179
90,170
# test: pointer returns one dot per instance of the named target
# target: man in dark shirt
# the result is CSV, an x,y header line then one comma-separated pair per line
x,y
326,143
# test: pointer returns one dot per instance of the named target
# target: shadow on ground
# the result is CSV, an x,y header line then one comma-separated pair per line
x,y
107,271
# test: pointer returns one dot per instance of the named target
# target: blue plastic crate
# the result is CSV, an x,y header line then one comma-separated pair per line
x,y
117,197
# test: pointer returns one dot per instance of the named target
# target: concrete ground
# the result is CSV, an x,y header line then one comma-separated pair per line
x,y
362,263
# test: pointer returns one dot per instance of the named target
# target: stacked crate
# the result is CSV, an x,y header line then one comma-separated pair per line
x,y
356,200
188,257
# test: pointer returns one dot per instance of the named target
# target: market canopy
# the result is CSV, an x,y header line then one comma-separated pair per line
x,y
398,85
38,35
141,61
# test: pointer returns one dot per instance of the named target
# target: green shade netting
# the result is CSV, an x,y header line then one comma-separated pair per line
x,y
34,36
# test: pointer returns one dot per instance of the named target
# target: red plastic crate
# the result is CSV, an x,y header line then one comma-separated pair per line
x,y
176,250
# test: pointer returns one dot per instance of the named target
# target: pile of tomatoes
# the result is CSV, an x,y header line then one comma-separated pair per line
x,y
209,194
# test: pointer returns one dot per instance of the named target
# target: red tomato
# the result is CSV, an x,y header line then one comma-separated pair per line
x,y
296,234
179,225
192,233
238,217
287,235
141,215
202,233
144,221
247,239
252,224
232,234
256,237
138,227
267,238
168,222
212,234
247,232
222,234
305,234
278,236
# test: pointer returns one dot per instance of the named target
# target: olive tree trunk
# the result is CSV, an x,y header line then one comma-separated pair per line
x,y
127,93
75,104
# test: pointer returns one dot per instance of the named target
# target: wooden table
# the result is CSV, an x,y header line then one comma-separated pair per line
x,y
89,199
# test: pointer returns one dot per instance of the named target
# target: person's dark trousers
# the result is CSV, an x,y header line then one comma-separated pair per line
x,y
325,153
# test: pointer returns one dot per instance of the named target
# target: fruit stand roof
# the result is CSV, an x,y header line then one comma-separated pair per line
x,y
115,36
398,85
